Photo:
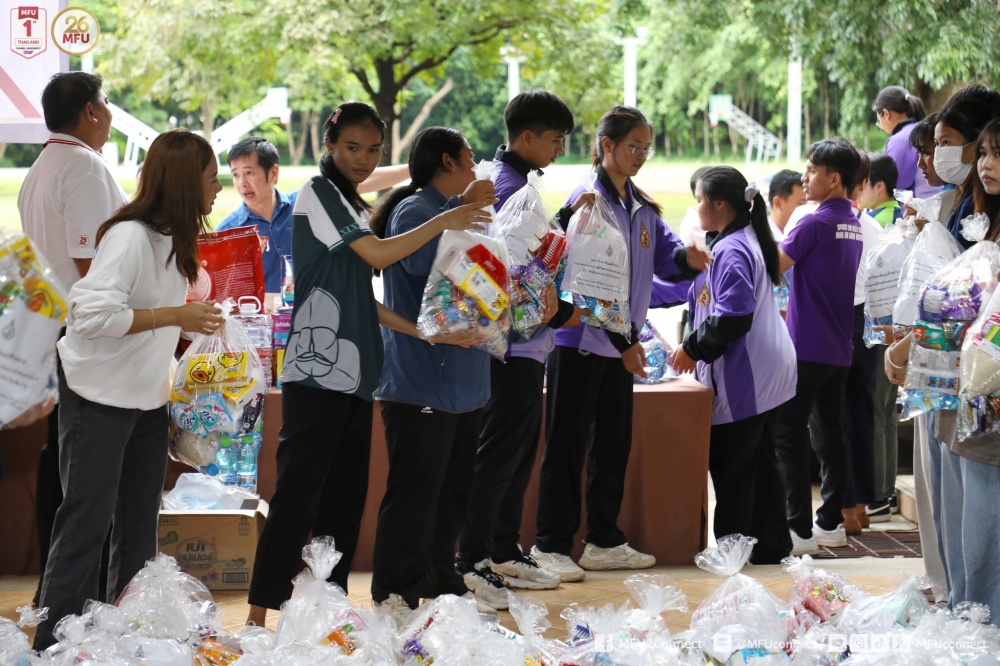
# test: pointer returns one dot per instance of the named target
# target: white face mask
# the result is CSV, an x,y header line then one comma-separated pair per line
x,y
949,166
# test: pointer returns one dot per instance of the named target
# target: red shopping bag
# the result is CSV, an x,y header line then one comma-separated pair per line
x,y
231,267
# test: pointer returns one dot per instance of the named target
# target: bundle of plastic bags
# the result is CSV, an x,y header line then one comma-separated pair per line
x,y
883,270
217,405
596,275
535,246
32,311
468,289
819,592
979,411
948,304
741,611
657,352
933,248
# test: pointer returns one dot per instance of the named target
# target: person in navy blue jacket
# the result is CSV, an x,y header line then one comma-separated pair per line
x,y
431,397
589,375
537,122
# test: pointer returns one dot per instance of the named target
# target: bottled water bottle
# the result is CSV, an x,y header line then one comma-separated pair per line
x,y
246,467
287,281
225,459
656,357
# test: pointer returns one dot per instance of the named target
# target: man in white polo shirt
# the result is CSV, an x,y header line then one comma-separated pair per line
x,y
68,193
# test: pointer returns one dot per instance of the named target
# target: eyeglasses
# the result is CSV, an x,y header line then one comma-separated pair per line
x,y
639,150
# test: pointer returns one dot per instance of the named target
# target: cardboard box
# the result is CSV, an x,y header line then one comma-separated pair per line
x,y
216,547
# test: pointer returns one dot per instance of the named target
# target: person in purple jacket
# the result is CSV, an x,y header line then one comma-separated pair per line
x,y
825,248
741,349
588,409
896,112
537,122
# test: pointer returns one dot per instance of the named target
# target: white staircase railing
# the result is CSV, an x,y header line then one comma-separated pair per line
x,y
275,105
139,134
758,137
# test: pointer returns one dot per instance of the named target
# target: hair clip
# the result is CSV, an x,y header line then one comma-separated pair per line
x,y
334,116
750,192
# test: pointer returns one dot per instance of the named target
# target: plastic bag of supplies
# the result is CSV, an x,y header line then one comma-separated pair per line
x,y
33,309
596,275
217,405
535,246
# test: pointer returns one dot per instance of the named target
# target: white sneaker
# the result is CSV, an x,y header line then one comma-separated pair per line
x,y
558,564
619,557
487,586
802,546
396,608
524,573
486,612
835,538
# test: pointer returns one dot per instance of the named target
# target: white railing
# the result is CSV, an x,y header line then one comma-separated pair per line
x,y
758,137
139,134
275,105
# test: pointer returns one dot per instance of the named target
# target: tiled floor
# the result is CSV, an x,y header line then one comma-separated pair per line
x,y
874,575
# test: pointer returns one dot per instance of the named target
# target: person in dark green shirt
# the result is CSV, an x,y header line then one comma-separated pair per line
x,y
877,196
334,357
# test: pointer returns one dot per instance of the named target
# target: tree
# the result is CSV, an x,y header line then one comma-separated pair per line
x,y
392,42
211,56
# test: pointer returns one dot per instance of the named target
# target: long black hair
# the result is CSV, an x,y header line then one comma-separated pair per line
x,y
989,140
616,125
347,115
424,160
728,184
898,99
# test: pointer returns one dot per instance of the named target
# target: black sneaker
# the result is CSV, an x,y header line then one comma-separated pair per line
x,y
894,503
879,512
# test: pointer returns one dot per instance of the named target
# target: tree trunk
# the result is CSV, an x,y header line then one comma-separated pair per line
x,y
666,144
207,118
806,121
826,107
715,141
705,129
3,149
316,138
297,144
398,144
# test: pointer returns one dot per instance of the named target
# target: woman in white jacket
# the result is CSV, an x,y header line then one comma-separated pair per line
x,y
124,322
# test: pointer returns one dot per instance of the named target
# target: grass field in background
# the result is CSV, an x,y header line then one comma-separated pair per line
x,y
666,182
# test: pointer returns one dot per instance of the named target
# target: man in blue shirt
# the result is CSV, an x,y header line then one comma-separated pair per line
x,y
254,165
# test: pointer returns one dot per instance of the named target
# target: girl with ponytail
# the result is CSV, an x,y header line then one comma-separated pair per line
x,y
334,357
896,113
740,348
431,397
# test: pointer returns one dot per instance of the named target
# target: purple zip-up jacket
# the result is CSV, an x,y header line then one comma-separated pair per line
x,y
651,251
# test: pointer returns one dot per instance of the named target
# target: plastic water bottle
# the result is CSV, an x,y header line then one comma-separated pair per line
x,y
225,459
287,281
656,357
246,467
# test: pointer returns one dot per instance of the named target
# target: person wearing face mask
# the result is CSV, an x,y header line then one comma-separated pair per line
x,y
964,475
896,113
958,127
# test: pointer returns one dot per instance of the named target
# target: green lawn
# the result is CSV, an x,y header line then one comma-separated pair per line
x,y
666,182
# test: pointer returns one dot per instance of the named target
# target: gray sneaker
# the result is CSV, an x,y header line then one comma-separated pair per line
x,y
802,546
619,557
558,564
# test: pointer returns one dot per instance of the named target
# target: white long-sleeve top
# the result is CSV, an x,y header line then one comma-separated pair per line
x,y
102,362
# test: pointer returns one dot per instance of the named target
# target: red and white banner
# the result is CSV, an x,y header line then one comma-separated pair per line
x,y
27,62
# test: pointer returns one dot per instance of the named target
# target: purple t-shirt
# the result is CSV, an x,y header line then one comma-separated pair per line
x,y
826,248
905,156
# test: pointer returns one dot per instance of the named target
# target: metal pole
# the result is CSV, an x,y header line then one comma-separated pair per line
x,y
794,108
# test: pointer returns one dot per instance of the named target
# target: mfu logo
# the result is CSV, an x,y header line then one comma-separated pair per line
x,y
196,555
28,31
75,31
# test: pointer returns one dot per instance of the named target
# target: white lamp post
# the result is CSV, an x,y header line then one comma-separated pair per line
x,y
794,108
510,55
631,47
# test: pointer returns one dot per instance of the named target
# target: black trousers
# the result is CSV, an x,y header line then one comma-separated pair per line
x,y
48,497
112,463
749,490
819,386
859,417
508,444
432,457
324,448
588,414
